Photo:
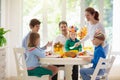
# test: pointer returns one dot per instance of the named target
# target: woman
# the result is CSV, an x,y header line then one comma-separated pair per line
x,y
94,26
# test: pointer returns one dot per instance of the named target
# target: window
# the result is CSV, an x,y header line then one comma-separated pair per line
x,y
51,12
73,12
108,18
31,9
48,12
54,16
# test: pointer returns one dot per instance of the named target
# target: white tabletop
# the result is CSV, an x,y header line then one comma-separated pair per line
x,y
63,61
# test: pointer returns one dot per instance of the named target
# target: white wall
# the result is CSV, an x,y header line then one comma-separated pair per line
x,y
12,19
116,25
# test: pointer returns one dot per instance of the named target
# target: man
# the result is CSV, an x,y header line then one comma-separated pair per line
x,y
62,39
64,33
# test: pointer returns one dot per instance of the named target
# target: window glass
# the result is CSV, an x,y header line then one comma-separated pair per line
x,y
73,12
51,11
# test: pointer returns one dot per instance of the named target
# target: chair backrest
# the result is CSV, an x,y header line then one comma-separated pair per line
x,y
20,64
107,66
109,51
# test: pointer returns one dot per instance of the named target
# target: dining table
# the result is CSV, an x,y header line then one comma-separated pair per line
x,y
67,62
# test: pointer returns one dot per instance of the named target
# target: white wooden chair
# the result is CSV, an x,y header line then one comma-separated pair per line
x,y
21,67
107,66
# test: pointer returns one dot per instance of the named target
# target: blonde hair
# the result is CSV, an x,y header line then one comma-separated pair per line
x,y
99,36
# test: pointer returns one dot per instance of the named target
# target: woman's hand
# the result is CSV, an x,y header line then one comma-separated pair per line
x,y
98,31
77,44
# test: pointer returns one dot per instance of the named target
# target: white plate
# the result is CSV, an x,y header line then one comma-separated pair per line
x,y
83,56
53,56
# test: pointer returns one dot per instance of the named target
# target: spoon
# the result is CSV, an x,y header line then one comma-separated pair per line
x,y
72,47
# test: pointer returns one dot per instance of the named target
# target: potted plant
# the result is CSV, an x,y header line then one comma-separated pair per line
x,y
3,40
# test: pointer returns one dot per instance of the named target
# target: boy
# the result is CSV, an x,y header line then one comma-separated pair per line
x,y
98,41
70,43
34,26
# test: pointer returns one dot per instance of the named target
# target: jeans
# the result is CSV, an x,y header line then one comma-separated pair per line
x,y
75,72
55,76
86,72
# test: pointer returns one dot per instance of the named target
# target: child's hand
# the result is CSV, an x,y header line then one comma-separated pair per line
x,y
77,44
48,53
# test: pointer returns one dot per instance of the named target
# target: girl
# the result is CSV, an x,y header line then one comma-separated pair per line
x,y
32,58
98,41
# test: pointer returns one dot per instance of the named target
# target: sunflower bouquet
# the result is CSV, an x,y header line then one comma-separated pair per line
x,y
58,47
82,33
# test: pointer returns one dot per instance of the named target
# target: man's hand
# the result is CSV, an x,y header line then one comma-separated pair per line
x,y
49,44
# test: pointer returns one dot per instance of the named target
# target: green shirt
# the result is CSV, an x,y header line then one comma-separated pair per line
x,y
69,43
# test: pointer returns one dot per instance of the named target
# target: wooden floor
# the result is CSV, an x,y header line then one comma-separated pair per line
x,y
115,71
11,78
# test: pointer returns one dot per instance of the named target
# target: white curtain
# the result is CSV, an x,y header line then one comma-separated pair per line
x,y
11,18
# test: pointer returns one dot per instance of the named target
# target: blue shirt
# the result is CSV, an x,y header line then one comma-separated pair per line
x,y
25,42
32,57
98,52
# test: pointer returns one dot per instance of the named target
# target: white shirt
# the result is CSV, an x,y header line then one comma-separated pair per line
x,y
92,29
60,38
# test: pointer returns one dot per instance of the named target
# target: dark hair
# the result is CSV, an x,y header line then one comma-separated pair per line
x,y
32,39
99,36
93,12
34,22
62,22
